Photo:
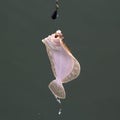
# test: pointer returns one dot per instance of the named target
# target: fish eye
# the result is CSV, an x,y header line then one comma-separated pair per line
x,y
56,36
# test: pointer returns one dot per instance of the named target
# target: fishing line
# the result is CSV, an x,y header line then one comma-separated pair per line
x,y
55,16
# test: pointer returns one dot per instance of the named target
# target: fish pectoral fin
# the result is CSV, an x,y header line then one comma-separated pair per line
x,y
57,89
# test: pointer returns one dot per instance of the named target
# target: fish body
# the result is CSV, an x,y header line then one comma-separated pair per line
x,y
64,65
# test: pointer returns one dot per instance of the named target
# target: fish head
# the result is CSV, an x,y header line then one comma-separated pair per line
x,y
54,40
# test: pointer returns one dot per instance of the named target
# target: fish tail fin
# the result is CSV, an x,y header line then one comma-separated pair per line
x,y
57,89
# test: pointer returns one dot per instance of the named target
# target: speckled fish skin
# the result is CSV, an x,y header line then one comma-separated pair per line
x,y
64,65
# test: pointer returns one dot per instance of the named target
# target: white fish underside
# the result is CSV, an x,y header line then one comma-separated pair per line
x,y
64,65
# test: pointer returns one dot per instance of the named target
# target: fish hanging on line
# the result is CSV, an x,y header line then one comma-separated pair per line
x,y
64,65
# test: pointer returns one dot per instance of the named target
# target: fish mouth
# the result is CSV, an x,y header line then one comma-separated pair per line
x,y
55,38
59,35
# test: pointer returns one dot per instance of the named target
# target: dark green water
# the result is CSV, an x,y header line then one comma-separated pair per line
x,y
92,31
